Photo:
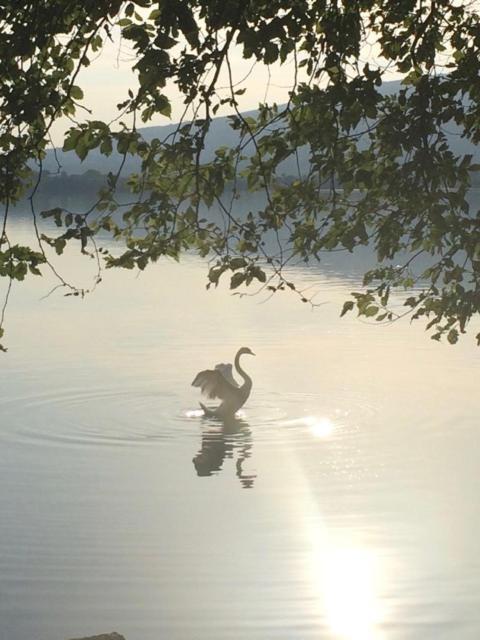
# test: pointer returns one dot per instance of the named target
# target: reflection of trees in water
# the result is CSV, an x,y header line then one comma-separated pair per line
x,y
224,440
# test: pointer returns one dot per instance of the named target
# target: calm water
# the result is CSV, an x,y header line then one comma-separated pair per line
x,y
343,503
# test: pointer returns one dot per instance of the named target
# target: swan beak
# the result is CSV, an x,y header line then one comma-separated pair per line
x,y
252,354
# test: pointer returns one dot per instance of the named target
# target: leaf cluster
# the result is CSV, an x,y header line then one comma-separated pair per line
x,y
373,168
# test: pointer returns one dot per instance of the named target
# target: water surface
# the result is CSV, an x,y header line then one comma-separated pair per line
x,y
342,503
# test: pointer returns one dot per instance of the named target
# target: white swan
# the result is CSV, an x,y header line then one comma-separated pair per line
x,y
220,383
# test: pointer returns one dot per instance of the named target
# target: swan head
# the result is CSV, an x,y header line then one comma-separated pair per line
x,y
245,350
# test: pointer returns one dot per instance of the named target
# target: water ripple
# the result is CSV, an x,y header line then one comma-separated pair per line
x,y
99,416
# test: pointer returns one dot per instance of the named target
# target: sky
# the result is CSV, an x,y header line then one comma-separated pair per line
x,y
106,81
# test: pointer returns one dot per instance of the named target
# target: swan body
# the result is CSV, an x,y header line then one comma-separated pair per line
x,y
220,383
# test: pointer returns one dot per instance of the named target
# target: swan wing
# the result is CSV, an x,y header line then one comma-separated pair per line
x,y
214,385
226,371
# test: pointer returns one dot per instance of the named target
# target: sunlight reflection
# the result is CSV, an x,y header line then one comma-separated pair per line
x,y
199,413
194,413
350,586
319,427
347,581
347,578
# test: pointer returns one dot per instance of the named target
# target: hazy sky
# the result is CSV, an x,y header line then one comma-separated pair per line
x,y
106,82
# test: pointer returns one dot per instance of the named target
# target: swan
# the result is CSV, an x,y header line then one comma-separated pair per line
x,y
220,383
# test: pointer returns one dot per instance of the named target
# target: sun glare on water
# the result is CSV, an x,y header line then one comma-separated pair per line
x,y
349,582
194,413
347,577
319,427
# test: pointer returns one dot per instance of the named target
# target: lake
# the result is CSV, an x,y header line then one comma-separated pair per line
x,y
343,502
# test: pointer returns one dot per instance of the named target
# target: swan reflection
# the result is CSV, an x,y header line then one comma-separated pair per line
x,y
225,440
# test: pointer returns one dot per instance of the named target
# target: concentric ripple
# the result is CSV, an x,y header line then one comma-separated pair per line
x,y
139,415
309,417
95,417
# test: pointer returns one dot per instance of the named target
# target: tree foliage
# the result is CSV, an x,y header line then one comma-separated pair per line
x,y
373,168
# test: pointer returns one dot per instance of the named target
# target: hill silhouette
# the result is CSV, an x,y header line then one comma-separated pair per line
x,y
220,134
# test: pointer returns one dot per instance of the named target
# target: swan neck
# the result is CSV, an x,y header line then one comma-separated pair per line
x,y
241,372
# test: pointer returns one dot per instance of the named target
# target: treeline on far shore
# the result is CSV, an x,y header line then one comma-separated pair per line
x,y
76,184
88,184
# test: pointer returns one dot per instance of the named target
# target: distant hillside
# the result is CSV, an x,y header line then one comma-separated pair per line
x,y
220,135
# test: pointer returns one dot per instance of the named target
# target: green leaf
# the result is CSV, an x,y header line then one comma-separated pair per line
x,y
347,306
370,311
106,147
59,245
76,93
452,336
259,274
237,263
236,280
